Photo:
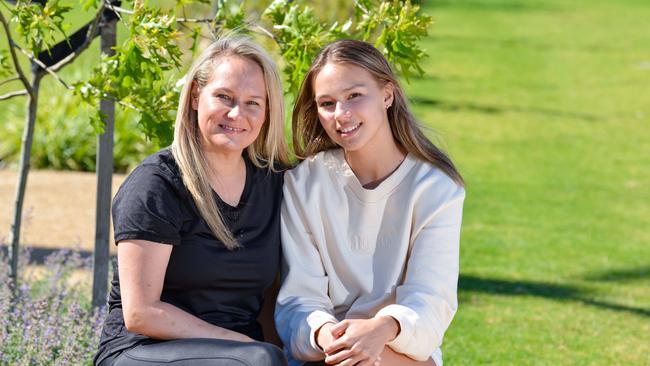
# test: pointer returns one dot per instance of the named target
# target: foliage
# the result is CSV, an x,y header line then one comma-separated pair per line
x,y
5,67
48,322
150,60
64,140
136,73
39,25
400,28
146,67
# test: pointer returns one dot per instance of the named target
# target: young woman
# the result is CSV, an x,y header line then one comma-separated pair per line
x,y
370,221
198,225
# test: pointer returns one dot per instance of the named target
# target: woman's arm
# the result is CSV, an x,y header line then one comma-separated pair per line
x,y
142,265
426,301
303,305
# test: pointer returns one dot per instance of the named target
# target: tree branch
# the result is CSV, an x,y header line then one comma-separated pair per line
x,y
13,94
42,65
190,20
3,82
117,9
19,70
265,32
65,84
92,30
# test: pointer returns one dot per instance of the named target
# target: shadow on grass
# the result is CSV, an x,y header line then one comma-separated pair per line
x,y
491,109
543,290
629,274
470,43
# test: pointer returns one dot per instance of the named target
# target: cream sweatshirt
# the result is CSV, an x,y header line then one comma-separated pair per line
x,y
351,252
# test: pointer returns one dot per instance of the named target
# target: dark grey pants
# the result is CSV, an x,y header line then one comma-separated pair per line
x,y
203,352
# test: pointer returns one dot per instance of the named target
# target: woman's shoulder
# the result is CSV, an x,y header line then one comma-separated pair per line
x,y
321,161
156,170
162,159
432,180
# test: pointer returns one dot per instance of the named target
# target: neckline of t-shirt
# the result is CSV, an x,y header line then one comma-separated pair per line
x,y
245,193
384,188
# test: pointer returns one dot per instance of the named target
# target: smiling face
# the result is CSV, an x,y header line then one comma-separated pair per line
x,y
231,107
351,107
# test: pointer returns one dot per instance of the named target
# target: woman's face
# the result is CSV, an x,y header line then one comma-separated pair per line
x,y
231,107
352,105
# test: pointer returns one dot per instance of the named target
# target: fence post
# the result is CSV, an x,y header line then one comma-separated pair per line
x,y
104,181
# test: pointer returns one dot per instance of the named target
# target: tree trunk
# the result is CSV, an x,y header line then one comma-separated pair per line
x,y
104,182
25,155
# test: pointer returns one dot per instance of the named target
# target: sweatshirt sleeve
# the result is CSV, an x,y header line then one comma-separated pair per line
x,y
303,304
426,301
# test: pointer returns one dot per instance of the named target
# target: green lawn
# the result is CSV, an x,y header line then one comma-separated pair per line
x,y
545,107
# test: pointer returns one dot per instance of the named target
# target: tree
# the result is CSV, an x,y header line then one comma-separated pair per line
x,y
146,69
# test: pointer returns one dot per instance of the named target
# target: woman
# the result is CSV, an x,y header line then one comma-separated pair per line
x,y
370,221
197,226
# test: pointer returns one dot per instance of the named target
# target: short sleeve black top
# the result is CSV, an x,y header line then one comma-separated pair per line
x,y
223,287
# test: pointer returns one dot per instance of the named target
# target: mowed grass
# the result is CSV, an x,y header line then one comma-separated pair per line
x,y
545,107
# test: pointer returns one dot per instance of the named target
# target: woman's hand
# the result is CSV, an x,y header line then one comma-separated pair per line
x,y
324,335
360,341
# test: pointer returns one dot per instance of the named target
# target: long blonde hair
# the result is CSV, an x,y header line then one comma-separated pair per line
x,y
309,137
268,149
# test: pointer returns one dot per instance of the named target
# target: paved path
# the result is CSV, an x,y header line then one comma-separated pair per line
x,y
59,208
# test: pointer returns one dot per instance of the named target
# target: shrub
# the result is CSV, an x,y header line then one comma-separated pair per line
x,y
64,140
49,321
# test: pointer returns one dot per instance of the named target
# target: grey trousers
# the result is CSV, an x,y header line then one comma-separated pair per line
x,y
203,352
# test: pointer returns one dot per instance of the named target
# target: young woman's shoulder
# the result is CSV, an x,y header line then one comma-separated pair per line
x,y
323,160
429,180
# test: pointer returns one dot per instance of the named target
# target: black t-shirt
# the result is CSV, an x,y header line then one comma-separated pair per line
x,y
223,287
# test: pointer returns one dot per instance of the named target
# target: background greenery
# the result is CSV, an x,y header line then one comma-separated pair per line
x,y
63,136
544,105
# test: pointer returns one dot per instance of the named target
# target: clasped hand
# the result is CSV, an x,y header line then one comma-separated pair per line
x,y
357,341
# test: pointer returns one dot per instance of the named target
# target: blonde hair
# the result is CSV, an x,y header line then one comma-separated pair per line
x,y
309,137
266,151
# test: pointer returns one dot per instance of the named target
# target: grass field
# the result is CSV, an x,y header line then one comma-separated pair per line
x,y
545,107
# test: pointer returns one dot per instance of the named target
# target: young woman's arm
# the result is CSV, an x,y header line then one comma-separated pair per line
x,y
303,304
425,301
142,265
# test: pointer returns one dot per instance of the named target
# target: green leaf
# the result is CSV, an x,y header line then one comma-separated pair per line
x,y
40,25
98,121
88,4
5,68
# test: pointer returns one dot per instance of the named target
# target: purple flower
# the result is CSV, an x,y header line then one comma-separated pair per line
x,y
49,321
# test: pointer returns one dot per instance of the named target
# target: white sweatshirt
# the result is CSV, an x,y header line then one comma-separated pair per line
x,y
352,252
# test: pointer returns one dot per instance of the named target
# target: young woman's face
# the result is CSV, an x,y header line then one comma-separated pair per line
x,y
231,107
352,105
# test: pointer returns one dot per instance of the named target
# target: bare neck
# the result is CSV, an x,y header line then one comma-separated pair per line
x,y
225,164
371,165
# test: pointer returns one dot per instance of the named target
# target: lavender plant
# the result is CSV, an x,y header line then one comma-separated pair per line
x,y
49,320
